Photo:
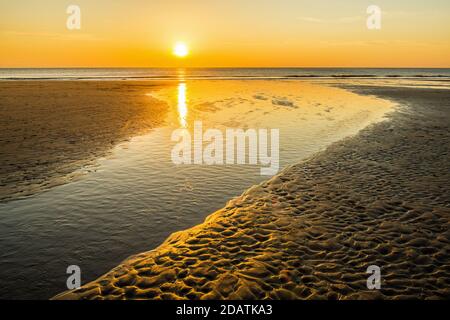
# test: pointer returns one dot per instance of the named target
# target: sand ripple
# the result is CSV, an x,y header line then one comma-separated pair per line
x,y
379,198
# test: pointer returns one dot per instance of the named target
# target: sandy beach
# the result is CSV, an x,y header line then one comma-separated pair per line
x,y
105,186
50,129
378,198
220,151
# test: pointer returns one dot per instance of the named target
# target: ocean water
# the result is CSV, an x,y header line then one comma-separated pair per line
x,y
131,200
441,74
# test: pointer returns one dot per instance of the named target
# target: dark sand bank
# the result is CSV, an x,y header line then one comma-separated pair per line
x,y
379,198
49,129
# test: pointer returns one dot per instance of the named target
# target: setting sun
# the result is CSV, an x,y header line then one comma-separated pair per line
x,y
180,49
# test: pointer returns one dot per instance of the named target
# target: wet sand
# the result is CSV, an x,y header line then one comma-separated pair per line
x,y
49,130
379,198
131,200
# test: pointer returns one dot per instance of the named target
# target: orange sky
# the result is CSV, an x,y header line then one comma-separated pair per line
x,y
232,33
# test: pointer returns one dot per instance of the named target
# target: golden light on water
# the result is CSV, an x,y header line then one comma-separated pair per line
x,y
182,105
180,49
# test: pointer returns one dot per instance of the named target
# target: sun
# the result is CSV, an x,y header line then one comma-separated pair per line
x,y
180,49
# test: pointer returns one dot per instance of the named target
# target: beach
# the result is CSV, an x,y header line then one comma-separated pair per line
x,y
380,197
92,179
51,130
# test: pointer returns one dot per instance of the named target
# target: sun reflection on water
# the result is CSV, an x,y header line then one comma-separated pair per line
x,y
182,105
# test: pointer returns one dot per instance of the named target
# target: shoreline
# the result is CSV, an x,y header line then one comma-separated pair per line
x,y
140,200
380,197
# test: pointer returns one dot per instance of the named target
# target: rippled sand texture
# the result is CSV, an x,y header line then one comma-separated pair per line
x,y
50,129
380,198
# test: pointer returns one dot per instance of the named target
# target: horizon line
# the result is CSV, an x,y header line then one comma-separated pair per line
x,y
273,67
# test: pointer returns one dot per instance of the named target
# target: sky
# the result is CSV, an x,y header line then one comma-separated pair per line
x,y
225,33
